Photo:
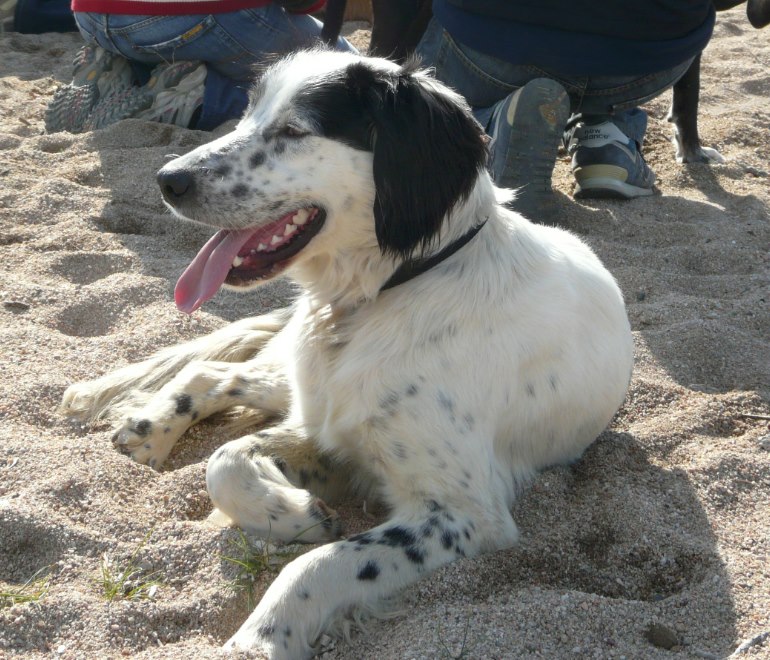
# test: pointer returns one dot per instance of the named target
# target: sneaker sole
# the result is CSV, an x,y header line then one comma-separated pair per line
x,y
69,108
607,188
121,104
538,117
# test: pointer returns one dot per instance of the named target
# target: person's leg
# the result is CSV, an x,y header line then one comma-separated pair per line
x,y
606,134
490,84
230,44
523,112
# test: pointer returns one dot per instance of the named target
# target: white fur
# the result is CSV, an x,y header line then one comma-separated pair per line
x,y
442,395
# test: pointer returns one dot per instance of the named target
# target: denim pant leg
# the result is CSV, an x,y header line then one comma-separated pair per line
x,y
486,82
230,44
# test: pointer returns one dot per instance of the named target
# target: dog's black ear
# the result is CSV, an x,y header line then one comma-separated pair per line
x,y
428,150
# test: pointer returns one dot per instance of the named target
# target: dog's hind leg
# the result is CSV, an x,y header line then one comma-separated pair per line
x,y
116,393
263,483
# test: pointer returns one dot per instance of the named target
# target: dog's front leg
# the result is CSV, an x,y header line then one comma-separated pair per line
x,y
272,483
331,582
198,391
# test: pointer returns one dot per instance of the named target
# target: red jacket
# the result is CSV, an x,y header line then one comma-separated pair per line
x,y
186,7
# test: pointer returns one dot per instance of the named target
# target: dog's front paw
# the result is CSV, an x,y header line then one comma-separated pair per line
x,y
701,155
267,641
79,401
144,441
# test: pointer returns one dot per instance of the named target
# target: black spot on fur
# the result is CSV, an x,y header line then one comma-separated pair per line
x,y
390,403
414,555
266,630
530,390
397,536
399,450
287,631
369,571
183,404
432,504
304,595
194,415
279,147
143,427
446,539
257,159
239,190
412,390
236,391
223,170
553,381
467,534
446,402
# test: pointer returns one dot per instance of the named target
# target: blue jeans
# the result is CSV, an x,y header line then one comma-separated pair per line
x,y
230,44
486,82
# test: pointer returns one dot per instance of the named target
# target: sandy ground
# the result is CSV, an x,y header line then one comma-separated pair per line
x,y
656,544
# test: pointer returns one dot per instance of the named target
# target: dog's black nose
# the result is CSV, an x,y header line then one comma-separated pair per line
x,y
175,184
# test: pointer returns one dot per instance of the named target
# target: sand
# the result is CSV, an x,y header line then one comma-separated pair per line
x,y
656,543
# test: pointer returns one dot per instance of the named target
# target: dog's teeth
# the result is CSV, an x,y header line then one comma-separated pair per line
x,y
237,262
301,216
290,229
275,240
261,247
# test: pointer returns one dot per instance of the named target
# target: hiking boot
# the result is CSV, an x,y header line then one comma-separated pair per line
x,y
526,136
607,163
177,93
96,73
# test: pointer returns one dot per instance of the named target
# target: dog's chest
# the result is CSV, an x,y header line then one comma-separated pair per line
x,y
347,370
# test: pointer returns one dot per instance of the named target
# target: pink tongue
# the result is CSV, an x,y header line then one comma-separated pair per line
x,y
203,277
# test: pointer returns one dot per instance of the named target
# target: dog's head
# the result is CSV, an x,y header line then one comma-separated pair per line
x,y
335,152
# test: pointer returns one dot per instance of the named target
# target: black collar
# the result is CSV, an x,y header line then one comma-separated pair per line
x,y
414,267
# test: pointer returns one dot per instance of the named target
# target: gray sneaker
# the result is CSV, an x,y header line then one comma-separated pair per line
x,y
608,164
171,96
177,92
526,136
96,74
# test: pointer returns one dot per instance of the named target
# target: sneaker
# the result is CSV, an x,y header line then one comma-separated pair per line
x,y
96,73
171,96
607,164
177,93
527,133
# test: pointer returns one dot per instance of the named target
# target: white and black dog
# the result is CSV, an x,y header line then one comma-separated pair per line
x,y
443,351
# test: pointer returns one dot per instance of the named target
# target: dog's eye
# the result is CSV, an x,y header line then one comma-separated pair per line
x,y
293,131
